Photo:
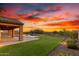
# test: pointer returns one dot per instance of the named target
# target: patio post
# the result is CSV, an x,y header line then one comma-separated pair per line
x,y
20,32
10,32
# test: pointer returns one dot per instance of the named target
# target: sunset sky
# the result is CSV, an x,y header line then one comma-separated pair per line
x,y
45,16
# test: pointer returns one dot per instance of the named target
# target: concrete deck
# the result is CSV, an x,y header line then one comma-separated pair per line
x,y
9,41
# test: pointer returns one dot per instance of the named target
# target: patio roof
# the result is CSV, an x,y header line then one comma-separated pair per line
x,y
10,21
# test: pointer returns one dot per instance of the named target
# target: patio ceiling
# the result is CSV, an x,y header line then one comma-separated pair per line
x,y
3,27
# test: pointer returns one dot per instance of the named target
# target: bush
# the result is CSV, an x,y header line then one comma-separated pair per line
x,y
72,44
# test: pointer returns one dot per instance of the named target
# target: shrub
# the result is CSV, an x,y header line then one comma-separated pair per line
x,y
72,44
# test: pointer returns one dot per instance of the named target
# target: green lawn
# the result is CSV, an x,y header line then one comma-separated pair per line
x,y
39,47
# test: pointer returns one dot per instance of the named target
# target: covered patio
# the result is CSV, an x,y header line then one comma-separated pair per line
x,y
8,26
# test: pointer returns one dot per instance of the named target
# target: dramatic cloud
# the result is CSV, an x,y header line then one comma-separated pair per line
x,y
44,16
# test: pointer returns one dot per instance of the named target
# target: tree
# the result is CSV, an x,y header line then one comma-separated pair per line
x,y
35,32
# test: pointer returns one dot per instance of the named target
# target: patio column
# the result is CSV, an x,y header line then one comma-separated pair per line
x,y
20,32
10,32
